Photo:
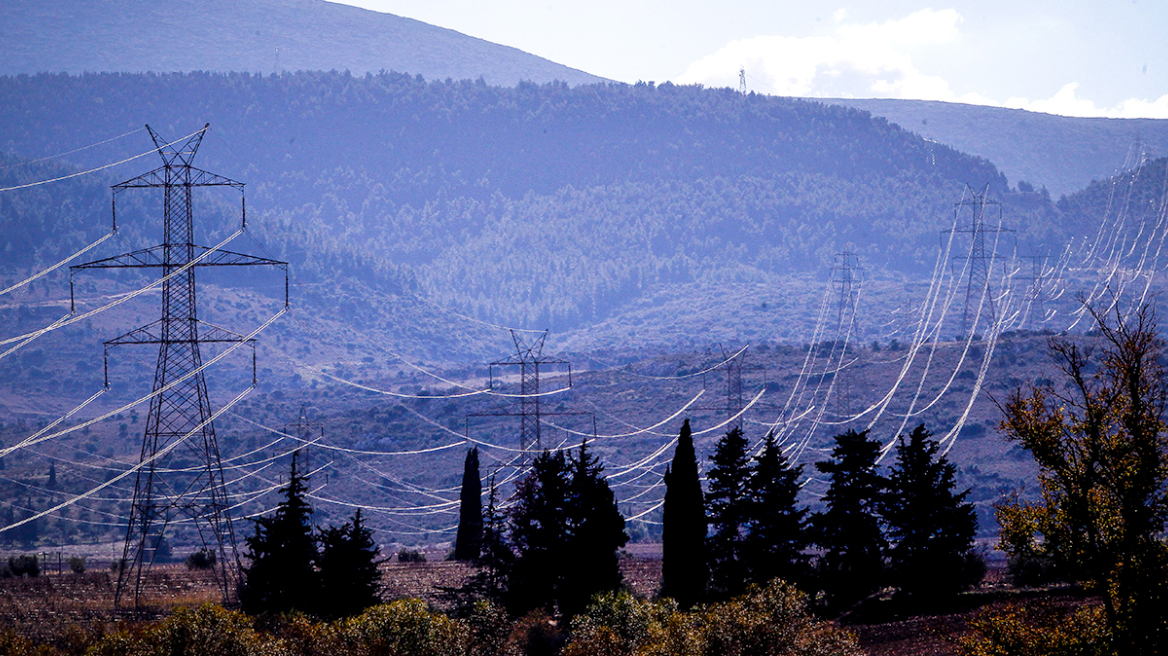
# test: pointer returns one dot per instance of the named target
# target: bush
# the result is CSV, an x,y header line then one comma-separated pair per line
x,y
411,556
619,623
208,629
202,559
405,628
24,565
772,620
77,564
1037,631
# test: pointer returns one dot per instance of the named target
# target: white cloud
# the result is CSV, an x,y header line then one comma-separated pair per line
x,y
1066,103
875,60
871,60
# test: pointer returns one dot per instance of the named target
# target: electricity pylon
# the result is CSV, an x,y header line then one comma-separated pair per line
x,y
180,477
979,296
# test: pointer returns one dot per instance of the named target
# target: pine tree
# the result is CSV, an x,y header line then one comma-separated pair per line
x,y
470,510
52,485
728,507
930,526
685,572
282,552
852,563
349,575
596,531
776,528
539,535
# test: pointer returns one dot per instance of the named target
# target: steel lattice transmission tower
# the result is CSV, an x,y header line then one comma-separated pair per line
x,y
180,477
529,358
846,274
979,297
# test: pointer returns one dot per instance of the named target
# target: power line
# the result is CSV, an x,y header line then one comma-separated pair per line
x,y
163,494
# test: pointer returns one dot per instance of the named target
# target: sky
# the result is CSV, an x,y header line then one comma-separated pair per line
x,y
1069,57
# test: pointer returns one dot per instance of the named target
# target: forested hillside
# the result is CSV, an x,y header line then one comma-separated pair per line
x,y
539,204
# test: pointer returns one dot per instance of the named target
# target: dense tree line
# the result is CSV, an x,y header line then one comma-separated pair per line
x,y
909,529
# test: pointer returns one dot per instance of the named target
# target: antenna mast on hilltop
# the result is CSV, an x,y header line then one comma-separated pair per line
x,y
179,430
742,80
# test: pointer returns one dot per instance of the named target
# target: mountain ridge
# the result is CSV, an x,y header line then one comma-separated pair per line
x,y
255,36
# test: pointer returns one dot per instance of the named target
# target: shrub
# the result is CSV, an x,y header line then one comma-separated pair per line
x,y
618,623
1037,630
202,559
13,644
24,565
536,634
208,629
772,620
404,628
77,564
411,556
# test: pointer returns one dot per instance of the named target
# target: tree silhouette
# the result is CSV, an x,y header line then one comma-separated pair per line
x,y
597,531
728,507
776,527
931,526
470,510
539,534
282,552
1101,444
851,566
684,571
349,576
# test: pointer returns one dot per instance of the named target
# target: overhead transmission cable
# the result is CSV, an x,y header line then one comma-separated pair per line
x,y
100,168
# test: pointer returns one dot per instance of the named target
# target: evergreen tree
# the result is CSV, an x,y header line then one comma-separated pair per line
x,y
52,485
931,527
539,535
282,553
596,531
776,528
349,576
852,563
470,510
495,558
728,508
683,533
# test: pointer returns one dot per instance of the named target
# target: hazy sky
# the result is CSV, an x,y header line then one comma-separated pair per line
x,y
1072,57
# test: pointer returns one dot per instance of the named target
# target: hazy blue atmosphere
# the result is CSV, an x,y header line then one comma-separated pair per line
x,y
1098,58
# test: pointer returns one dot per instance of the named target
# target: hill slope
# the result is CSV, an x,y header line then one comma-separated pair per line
x,y
1061,153
542,205
256,36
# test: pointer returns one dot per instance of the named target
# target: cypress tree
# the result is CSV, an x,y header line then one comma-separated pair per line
x,y
282,552
851,566
539,535
685,571
596,531
470,510
349,576
776,528
728,508
930,525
